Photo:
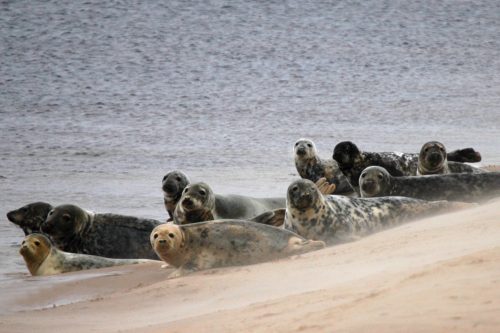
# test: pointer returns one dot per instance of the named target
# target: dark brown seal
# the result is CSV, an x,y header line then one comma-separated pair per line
x,y
30,217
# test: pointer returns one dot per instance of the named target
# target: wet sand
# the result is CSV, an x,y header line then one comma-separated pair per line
x,y
438,274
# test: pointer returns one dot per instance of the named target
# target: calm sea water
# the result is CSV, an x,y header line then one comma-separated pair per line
x,y
98,100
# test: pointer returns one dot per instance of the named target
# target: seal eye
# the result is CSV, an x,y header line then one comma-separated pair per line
x,y
202,192
296,144
309,145
24,210
171,235
155,236
295,189
37,243
178,178
165,177
380,176
185,190
363,175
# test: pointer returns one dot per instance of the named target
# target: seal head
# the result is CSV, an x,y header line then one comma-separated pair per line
x,y
168,242
432,159
35,248
65,223
347,154
30,217
304,149
197,204
374,182
302,194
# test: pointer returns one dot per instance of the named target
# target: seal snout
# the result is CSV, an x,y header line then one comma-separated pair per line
x,y
369,185
301,151
188,202
12,216
435,158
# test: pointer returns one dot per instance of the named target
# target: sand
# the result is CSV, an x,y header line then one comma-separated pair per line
x,y
439,274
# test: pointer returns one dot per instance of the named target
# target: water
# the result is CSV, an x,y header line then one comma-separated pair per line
x,y
98,100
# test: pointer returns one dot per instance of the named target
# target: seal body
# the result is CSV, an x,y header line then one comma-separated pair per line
x,y
75,230
173,185
42,258
199,203
334,219
213,244
30,217
466,187
352,162
310,166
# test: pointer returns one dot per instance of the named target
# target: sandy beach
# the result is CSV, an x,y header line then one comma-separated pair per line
x,y
434,275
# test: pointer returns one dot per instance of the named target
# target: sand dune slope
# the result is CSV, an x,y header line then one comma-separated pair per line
x,y
439,274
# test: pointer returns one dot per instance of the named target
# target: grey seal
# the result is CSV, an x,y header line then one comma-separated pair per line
x,y
335,218
199,203
42,258
75,230
205,245
310,166
30,217
466,187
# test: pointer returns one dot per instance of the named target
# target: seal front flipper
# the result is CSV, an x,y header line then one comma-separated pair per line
x,y
274,217
325,187
466,155
181,271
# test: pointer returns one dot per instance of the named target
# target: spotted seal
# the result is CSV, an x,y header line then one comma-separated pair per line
x,y
468,187
199,203
173,185
30,217
336,218
75,230
42,258
205,245
352,162
432,159
310,166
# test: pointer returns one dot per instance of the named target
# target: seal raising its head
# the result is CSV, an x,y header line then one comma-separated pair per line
x,y
44,259
221,243
199,203
432,159
310,166
30,217
468,187
173,184
109,235
335,218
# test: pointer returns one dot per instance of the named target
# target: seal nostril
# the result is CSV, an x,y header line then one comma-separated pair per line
x,y
161,241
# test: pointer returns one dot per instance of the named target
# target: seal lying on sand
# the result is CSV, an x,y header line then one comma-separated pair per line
x,y
30,217
172,185
310,166
212,244
42,258
334,219
75,230
467,187
432,160
199,203
352,162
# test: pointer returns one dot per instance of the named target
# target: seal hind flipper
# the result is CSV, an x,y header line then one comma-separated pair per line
x,y
274,217
465,155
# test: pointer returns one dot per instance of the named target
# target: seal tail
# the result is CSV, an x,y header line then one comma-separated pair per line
x,y
451,206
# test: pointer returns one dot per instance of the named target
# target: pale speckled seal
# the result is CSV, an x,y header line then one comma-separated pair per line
x,y
433,160
199,203
42,258
213,244
310,166
75,230
30,217
173,185
352,162
467,187
336,218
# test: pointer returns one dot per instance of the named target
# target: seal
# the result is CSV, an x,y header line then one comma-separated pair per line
x,y
352,162
334,218
42,258
75,230
310,166
467,187
30,217
199,203
205,245
173,184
